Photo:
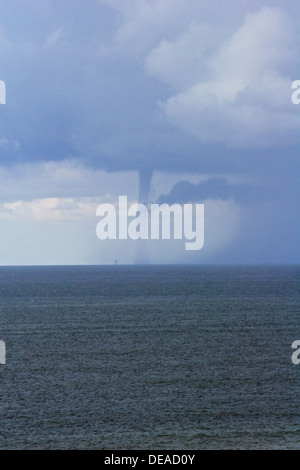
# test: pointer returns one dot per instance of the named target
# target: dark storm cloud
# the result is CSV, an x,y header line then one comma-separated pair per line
x,y
85,82
214,189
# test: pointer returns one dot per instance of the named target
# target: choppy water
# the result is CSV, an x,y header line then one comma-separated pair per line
x,y
149,357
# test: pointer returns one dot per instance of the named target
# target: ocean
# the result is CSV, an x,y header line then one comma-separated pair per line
x,y
150,357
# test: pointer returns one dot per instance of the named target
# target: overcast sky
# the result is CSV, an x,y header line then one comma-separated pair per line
x,y
194,94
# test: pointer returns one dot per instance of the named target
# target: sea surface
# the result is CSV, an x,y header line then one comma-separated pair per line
x,y
150,357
